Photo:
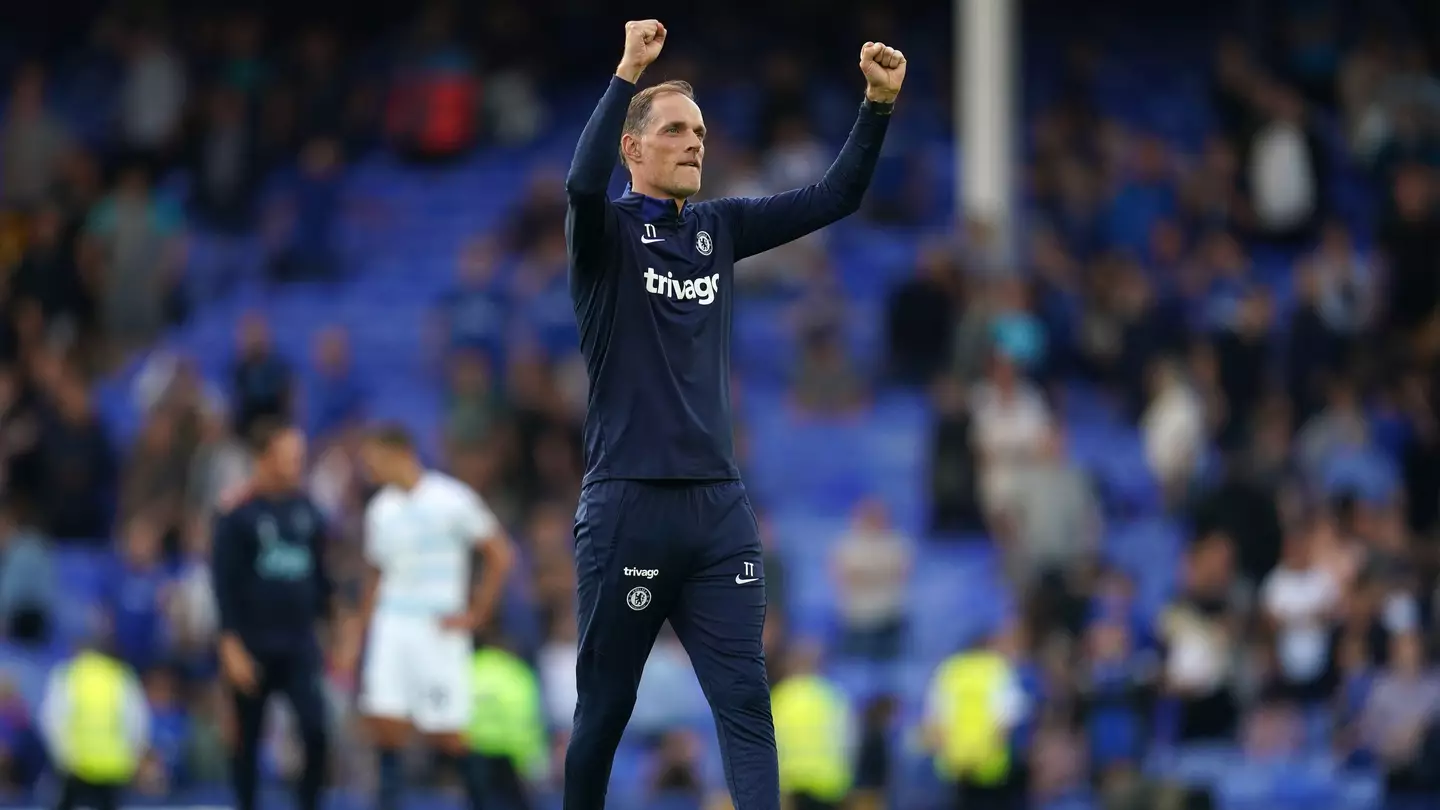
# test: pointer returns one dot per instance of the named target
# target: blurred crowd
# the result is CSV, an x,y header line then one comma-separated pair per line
x,y
1280,370
1270,336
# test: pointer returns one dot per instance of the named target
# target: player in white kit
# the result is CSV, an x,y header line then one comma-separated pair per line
x,y
421,531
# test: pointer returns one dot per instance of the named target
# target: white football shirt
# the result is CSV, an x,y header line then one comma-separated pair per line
x,y
421,541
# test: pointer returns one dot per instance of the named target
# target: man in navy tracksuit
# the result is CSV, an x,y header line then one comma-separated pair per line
x,y
664,528
271,587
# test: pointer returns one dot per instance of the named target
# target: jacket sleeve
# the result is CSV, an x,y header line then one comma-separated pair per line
x,y
589,216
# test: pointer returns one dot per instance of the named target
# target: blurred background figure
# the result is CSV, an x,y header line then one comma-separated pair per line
x,y
96,721
815,734
1144,369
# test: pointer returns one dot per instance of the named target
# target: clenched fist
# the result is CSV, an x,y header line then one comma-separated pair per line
x,y
884,69
643,41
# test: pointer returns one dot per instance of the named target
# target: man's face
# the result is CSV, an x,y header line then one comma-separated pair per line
x,y
287,457
671,147
378,461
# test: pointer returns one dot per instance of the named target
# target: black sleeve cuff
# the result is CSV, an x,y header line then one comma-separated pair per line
x,y
878,107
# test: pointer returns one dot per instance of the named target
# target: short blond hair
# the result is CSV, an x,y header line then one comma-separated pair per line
x,y
637,115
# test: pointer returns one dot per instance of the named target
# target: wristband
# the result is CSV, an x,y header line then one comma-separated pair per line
x,y
880,107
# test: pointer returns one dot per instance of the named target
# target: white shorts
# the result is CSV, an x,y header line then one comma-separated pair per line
x,y
415,670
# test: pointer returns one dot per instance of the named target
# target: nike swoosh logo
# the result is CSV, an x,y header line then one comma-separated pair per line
x,y
645,241
739,581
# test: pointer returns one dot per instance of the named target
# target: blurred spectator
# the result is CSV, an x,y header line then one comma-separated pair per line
x,y
263,383
954,499
1010,423
1272,732
135,593
1145,195
154,476
191,616
48,275
1286,174
783,98
552,562
515,110
169,726
1390,98
434,105
871,565
220,464
1014,329
1421,456
795,158
1242,351
669,696
1199,631
676,773
475,412
27,580
207,754
1410,241
337,486
920,319
227,168
1301,600
152,96
1346,282
546,440
556,668
1173,429
322,97
1117,689
241,64
133,255
308,213
540,292
1400,712
1054,518
474,314
77,466
1340,427
541,206
874,761
1210,197
826,382
337,398
32,142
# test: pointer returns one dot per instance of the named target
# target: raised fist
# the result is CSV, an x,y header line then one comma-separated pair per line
x,y
643,41
884,69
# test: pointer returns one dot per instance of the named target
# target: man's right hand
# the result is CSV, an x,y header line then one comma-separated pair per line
x,y
238,666
643,41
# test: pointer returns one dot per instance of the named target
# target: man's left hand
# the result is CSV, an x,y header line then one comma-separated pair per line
x,y
884,69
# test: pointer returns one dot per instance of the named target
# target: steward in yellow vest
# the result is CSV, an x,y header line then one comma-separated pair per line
x,y
96,725
975,702
814,737
507,725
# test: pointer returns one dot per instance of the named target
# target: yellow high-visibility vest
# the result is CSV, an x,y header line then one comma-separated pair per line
x,y
976,745
508,719
95,739
812,728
